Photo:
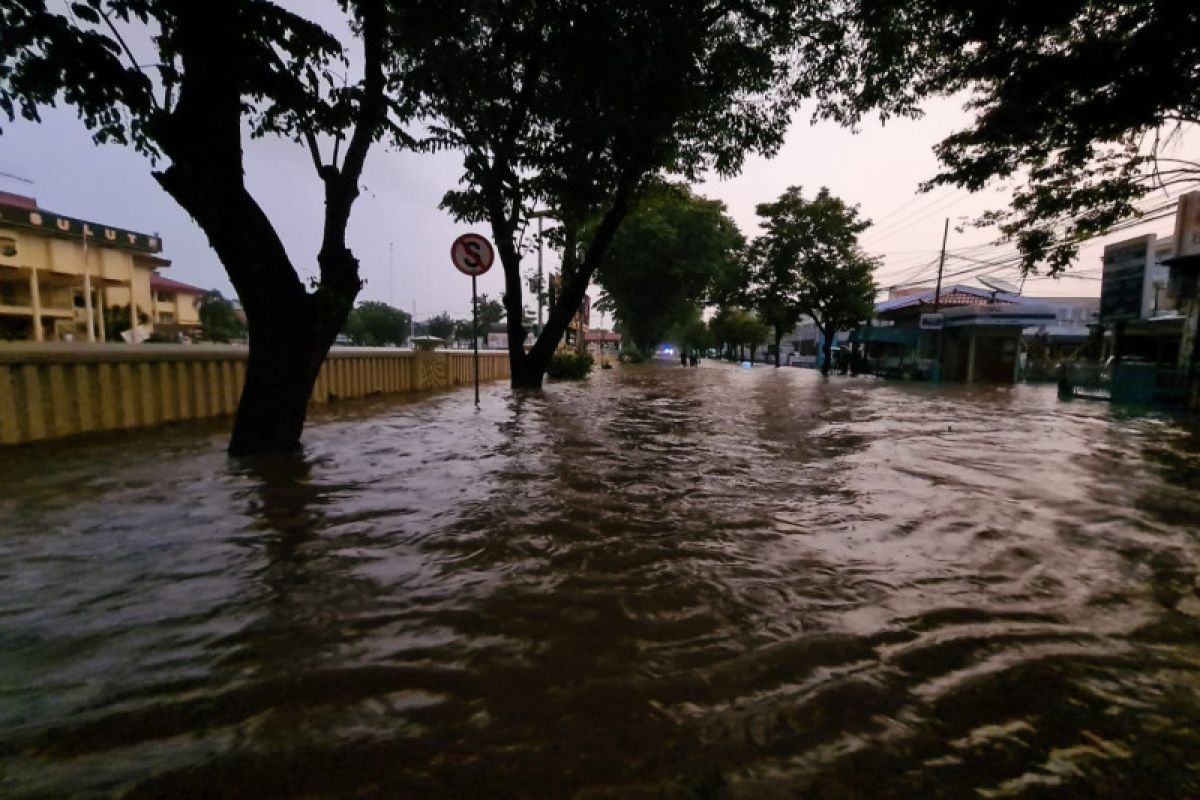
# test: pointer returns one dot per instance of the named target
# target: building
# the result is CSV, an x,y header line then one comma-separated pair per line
x,y
1069,336
580,323
975,335
601,342
58,275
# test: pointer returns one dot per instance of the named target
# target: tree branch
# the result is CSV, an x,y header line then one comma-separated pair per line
x,y
121,40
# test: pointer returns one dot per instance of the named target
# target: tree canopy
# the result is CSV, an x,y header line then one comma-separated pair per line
x,y
662,265
442,326
576,104
808,262
1080,102
374,324
220,70
737,328
219,320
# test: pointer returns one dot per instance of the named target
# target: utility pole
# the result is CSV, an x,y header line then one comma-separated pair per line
x,y
937,293
539,286
937,303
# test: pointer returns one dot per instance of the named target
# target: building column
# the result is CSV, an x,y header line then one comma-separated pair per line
x,y
87,296
971,358
133,318
35,296
100,312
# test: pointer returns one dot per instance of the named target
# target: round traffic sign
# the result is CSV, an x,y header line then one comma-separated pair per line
x,y
472,254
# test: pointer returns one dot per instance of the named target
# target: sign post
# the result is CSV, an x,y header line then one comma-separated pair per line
x,y
473,255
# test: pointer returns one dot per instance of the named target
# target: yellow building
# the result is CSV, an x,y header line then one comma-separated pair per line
x,y
58,274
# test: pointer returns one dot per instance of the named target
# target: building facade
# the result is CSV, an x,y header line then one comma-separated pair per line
x,y
59,274
974,336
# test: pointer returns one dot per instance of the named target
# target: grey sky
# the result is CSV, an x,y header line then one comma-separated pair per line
x,y
878,168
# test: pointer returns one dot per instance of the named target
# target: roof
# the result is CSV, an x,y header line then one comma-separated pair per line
x,y
956,295
169,285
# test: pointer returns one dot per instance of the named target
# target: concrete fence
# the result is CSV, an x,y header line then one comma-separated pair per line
x,y
52,391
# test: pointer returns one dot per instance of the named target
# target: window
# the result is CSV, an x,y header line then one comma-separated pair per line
x,y
8,246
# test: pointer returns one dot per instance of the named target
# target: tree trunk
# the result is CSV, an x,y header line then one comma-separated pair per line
x,y
827,348
290,330
778,339
283,365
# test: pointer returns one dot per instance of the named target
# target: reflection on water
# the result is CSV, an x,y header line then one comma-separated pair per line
x,y
664,583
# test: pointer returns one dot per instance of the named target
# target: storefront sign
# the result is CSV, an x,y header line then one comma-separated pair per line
x,y
1187,226
69,227
1123,279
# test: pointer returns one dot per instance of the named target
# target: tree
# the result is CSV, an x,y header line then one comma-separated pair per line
x,y
694,334
577,104
1079,101
490,311
374,324
116,321
442,326
464,330
812,264
736,329
222,69
219,320
665,259
773,291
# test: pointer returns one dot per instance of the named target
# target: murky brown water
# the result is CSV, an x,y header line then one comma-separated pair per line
x,y
665,583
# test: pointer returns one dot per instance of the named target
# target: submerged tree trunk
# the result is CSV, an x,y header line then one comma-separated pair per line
x,y
528,369
827,349
778,339
280,373
291,330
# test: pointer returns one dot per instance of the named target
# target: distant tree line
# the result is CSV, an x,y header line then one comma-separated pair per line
x,y
376,324
678,254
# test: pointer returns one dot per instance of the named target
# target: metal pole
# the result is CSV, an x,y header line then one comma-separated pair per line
x,y
539,286
87,293
937,294
937,302
475,338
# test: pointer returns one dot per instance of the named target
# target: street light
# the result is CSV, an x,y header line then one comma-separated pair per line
x,y
539,215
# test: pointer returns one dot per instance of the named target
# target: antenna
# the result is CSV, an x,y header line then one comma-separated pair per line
x,y
998,285
16,178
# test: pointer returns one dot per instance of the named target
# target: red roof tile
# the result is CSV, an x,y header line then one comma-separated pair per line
x,y
168,285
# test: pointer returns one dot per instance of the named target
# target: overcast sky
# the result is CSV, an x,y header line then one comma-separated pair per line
x,y
403,240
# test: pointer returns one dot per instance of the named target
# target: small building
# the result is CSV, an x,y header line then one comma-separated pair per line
x,y
1069,336
974,336
601,342
580,322
58,274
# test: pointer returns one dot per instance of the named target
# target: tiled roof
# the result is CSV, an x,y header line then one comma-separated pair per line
x,y
169,285
956,295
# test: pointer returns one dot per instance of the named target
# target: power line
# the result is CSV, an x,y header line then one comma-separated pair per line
x,y
916,197
887,231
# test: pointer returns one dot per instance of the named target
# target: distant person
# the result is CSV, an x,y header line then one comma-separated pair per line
x,y
694,358
683,357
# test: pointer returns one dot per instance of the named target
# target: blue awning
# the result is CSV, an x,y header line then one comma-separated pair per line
x,y
889,334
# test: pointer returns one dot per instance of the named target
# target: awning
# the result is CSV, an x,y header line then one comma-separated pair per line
x,y
889,334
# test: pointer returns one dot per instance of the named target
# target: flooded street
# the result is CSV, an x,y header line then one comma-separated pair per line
x,y
660,583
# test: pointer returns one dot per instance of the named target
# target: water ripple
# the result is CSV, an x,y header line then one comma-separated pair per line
x,y
662,583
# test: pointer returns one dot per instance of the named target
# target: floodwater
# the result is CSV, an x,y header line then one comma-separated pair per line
x,y
661,583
